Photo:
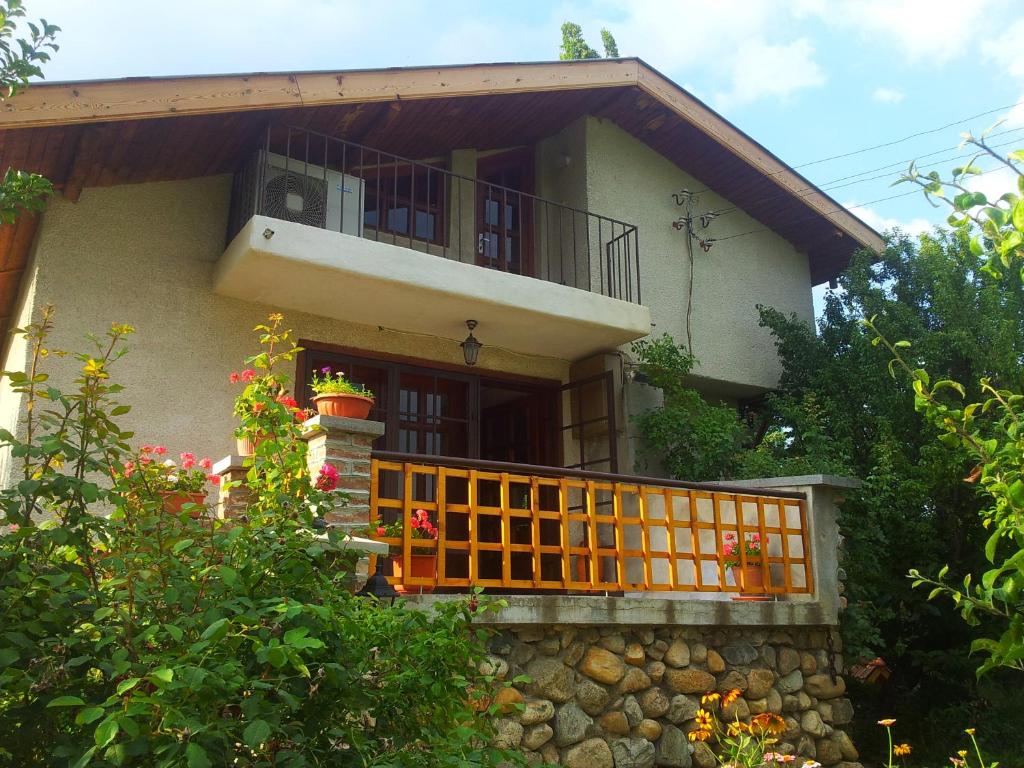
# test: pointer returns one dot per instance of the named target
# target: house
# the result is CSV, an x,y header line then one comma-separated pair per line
x,y
541,208
383,209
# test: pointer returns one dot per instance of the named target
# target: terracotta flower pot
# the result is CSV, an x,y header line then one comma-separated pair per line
x,y
420,566
749,578
175,500
246,446
343,404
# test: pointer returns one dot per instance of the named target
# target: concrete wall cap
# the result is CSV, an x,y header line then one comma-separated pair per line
x,y
334,424
793,481
229,462
647,610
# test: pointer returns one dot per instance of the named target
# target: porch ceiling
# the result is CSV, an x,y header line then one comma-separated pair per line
x,y
362,281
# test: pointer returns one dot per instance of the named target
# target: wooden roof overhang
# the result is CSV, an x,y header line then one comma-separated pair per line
x,y
101,133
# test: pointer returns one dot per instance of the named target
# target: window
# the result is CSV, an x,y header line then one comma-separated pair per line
x,y
400,195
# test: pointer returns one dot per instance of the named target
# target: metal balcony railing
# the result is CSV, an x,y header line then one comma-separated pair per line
x,y
522,527
312,178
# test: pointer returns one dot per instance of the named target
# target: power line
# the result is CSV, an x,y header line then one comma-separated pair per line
x,y
837,210
883,145
831,185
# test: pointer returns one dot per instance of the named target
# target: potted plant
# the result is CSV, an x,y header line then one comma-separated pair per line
x,y
748,577
337,396
259,407
176,484
422,563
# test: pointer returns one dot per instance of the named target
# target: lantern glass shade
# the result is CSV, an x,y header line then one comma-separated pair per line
x,y
471,347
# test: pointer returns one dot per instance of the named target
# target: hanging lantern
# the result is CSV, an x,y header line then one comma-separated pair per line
x,y
471,347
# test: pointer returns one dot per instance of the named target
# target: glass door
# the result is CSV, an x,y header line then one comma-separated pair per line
x,y
504,213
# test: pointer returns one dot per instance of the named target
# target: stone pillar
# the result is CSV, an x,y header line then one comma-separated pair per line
x,y
345,444
231,502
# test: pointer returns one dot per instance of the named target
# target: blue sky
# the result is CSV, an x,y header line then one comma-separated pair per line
x,y
807,78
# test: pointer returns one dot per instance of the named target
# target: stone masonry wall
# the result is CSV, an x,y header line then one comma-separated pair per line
x,y
626,697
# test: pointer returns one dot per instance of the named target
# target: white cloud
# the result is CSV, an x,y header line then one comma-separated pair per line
x,y
881,223
761,70
888,95
936,31
1006,49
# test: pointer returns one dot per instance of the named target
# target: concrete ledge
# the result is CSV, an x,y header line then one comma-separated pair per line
x,y
335,424
829,481
641,611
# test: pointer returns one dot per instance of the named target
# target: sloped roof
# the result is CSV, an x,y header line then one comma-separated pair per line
x,y
102,132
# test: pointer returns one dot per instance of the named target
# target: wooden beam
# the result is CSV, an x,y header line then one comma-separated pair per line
x,y
138,98
741,145
86,154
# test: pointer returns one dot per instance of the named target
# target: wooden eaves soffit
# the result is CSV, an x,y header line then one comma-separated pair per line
x,y
638,98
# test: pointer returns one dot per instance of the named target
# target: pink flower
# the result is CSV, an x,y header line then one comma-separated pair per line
x,y
381,530
234,378
159,450
129,467
147,449
414,523
188,460
144,460
421,515
328,478
214,479
326,370
248,375
205,463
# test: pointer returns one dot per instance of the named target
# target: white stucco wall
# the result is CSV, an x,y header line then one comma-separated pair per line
x,y
144,254
628,180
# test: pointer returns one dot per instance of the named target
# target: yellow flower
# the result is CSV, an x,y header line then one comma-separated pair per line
x,y
710,698
735,729
276,317
969,731
730,697
962,752
888,722
698,735
94,368
901,750
703,719
769,722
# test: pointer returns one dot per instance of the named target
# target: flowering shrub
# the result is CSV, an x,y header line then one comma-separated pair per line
x,y
139,638
148,473
740,744
324,382
751,546
420,527
963,759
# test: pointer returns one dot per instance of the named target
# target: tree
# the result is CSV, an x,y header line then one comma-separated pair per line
x,y
611,48
575,47
20,60
989,428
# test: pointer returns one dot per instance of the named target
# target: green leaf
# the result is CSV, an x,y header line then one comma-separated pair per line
x,y
182,545
89,715
8,656
127,685
105,732
66,701
257,732
295,634
215,631
196,756
85,759
164,674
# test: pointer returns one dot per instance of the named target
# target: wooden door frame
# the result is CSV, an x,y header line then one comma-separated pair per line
x,y
524,159
398,364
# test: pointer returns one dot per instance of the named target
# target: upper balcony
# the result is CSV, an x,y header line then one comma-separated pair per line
x,y
328,226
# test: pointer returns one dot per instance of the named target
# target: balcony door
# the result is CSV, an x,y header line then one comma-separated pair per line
x,y
505,212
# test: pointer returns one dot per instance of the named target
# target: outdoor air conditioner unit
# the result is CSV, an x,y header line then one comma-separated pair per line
x,y
293,190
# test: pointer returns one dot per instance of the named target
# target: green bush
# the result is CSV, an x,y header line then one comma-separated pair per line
x,y
130,636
